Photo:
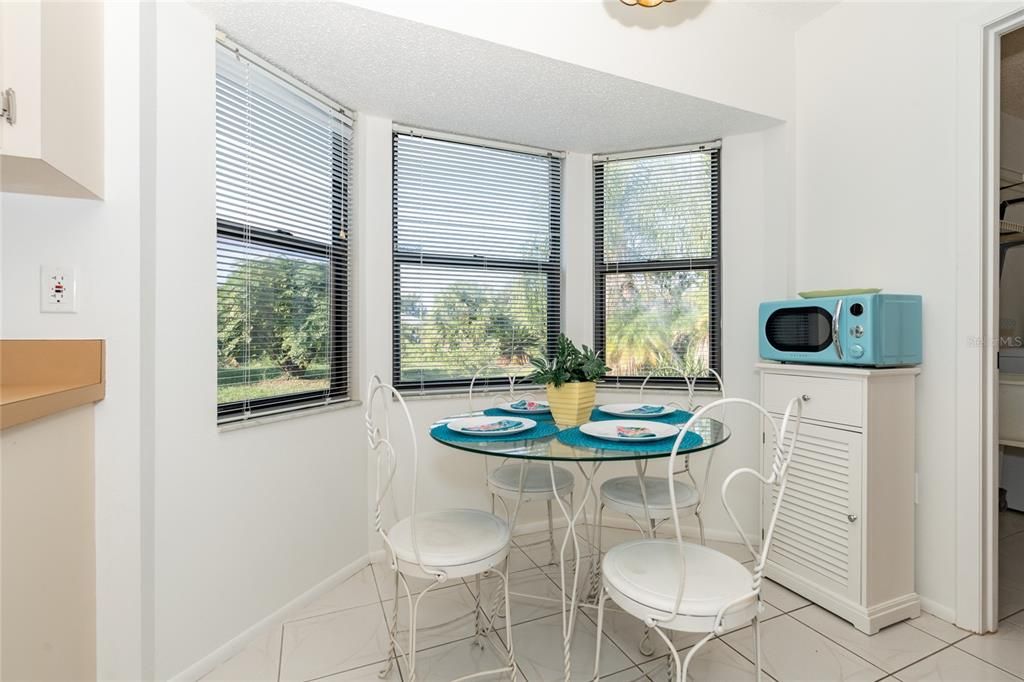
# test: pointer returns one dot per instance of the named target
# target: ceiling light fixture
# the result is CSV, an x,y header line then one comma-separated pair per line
x,y
644,3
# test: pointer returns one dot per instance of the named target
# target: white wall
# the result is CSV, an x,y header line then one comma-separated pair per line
x,y
200,533
245,520
876,204
103,240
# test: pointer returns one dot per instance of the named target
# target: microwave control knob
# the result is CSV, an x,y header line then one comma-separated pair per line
x,y
857,331
857,350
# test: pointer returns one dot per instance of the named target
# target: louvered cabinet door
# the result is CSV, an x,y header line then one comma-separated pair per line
x,y
818,535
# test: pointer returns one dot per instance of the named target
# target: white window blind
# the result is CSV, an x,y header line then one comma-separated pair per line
x,y
657,264
477,248
283,166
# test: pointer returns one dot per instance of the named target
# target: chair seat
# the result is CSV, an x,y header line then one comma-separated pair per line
x,y
642,576
537,479
623,494
451,538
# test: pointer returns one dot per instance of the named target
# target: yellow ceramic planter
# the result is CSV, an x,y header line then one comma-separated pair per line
x,y
571,404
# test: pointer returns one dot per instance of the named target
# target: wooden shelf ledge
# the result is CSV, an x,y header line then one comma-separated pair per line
x,y
39,377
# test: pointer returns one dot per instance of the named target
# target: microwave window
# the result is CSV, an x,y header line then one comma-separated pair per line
x,y
800,330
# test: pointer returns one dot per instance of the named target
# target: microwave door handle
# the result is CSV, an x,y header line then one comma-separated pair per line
x,y
835,329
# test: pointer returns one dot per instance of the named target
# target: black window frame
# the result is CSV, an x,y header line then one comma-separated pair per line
x,y
712,265
336,255
552,269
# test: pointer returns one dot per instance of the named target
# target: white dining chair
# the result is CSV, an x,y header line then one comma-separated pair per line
x,y
521,481
674,585
440,546
646,500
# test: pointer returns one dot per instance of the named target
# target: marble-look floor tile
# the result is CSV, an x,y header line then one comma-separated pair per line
x,y
457,659
443,616
936,627
358,590
1011,561
536,583
367,673
633,674
1011,600
781,598
257,662
536,547
713,661
627,631
333,643
539,652
953,665
793,652
891,649
519,561
1003,649
584,579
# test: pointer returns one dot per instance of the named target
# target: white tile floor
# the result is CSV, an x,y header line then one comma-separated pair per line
x,y
342,637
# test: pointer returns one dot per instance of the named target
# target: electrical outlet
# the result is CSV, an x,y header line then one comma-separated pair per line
x,y
58,289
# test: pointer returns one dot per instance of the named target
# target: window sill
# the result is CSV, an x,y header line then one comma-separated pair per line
x,y
287,415
655,388
413,395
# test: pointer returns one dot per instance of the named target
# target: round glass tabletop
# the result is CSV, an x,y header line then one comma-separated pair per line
x,y
712,432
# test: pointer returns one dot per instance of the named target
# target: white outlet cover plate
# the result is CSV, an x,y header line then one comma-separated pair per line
x,y
58,289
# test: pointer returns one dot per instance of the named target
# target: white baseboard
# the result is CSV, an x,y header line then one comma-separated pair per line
x,y
239,642
938,610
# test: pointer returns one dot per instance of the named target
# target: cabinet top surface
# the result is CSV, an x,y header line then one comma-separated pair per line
x,y
829,370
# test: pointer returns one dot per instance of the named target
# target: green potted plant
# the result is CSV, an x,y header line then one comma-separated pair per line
x,y
570,377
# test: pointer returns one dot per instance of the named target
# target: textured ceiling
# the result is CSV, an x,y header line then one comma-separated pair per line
x,y
432,78
1011,74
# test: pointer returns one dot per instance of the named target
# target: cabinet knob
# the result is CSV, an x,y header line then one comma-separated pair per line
x,y
806,398
852,517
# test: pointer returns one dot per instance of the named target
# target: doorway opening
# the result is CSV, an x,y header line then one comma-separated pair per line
x,y
1009,291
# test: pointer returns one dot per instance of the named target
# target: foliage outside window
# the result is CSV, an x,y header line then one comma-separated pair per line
x,y
282,243
476,260
657,264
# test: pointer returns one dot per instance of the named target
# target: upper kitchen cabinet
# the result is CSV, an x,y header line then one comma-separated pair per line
x,y
51,77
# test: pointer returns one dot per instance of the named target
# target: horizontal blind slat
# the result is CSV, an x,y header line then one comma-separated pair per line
x,y
656,256
282,201
476,235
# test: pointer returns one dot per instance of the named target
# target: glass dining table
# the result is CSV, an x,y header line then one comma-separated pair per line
x,y
550,443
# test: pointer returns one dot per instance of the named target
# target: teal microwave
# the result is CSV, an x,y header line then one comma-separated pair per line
x,y
865,330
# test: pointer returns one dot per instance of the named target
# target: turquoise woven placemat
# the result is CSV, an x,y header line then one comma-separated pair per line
x,y
539,418
575,438
677,417
541,430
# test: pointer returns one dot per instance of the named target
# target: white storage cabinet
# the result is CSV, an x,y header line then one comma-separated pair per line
x,y
845,534
51,98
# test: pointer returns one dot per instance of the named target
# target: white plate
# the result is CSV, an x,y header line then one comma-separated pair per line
x,y
539,407
629,410
471,426
609,430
